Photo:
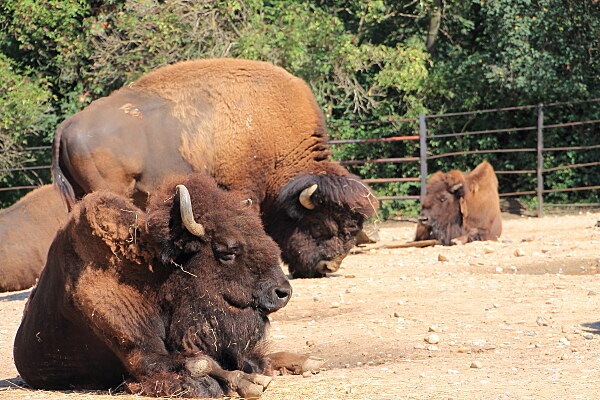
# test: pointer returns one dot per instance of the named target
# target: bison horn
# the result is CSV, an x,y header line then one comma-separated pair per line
x,y
187,216
305,195
454,188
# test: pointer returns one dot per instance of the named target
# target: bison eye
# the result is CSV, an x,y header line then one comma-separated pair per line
x,y
442,199
226,253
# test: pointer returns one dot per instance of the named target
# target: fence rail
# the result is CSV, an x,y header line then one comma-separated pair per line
x,y
424,136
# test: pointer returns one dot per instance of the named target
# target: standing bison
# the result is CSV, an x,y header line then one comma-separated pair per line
x,y
172,301
26,231
461,208
252,126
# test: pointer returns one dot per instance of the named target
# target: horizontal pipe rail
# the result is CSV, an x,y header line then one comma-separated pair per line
x,y
463,153
391,180
381,160
388,139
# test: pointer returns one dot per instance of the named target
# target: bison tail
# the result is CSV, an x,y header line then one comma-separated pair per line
x,y
58,176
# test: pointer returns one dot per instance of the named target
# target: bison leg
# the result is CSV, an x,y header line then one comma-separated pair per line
x,y
249,386
296,364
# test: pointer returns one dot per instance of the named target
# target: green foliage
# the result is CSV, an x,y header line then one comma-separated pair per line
x,y
365,61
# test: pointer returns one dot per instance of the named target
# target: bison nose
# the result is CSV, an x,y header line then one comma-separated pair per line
x,y
276,297
329,266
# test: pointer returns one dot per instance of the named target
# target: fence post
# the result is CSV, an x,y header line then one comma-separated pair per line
x,y
423,153
540,160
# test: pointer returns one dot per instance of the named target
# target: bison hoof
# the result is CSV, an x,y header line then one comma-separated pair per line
x,y
252,386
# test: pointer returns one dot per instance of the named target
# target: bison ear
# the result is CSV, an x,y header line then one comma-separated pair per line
x,y
115,220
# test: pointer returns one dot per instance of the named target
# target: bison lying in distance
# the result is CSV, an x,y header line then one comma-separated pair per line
x,y
250,125
461,208
172,301
26,231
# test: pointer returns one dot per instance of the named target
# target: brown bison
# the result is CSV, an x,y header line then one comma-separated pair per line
x,y
171,301
26,231
252,126
461,208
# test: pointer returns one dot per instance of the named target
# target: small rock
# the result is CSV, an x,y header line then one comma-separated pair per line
x,y
477,364
488,250
541,321
442,257
432,339
397,314
453,371
588,336
358,364
565,356
348,390
346,365
432,328
519,253
499,269
335,304
306,374
464,350
310,343
591,293
432,347
565,341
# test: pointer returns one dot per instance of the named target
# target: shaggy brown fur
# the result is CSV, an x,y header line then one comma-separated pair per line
x,y
458,209
128,295
26,231
252,126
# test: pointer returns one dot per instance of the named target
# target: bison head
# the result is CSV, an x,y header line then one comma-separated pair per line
x,y
317,219
442,209
229,276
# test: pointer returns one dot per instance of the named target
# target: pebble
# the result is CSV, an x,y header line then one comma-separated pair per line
x,y
432,328
565,356
432,347
488,250
477,364
499,269
519,253
464,350
453,371
591,293
541,321
310,343
442,257
306,374
432,339
588,336
565,341
397,314
335,304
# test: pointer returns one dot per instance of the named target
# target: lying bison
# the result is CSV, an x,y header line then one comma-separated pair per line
x,y
171,301
26,231
250,125
461,208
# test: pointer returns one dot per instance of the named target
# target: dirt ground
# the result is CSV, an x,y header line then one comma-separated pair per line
x,y
515,319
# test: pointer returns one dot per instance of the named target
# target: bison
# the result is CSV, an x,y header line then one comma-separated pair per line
x,y
461,208
171,301
26,231
250,125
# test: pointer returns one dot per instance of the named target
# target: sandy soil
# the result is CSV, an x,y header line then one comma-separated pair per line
x,y
515,319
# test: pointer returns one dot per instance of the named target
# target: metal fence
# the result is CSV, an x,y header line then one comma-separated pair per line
x,y
426,153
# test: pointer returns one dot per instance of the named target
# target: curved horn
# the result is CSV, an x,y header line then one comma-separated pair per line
x,y
305,199
187,216
455,187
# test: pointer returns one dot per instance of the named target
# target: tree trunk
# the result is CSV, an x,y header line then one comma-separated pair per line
x,y
435,19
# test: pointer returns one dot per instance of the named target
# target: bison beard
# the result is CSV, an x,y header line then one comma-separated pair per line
x,y
133,296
